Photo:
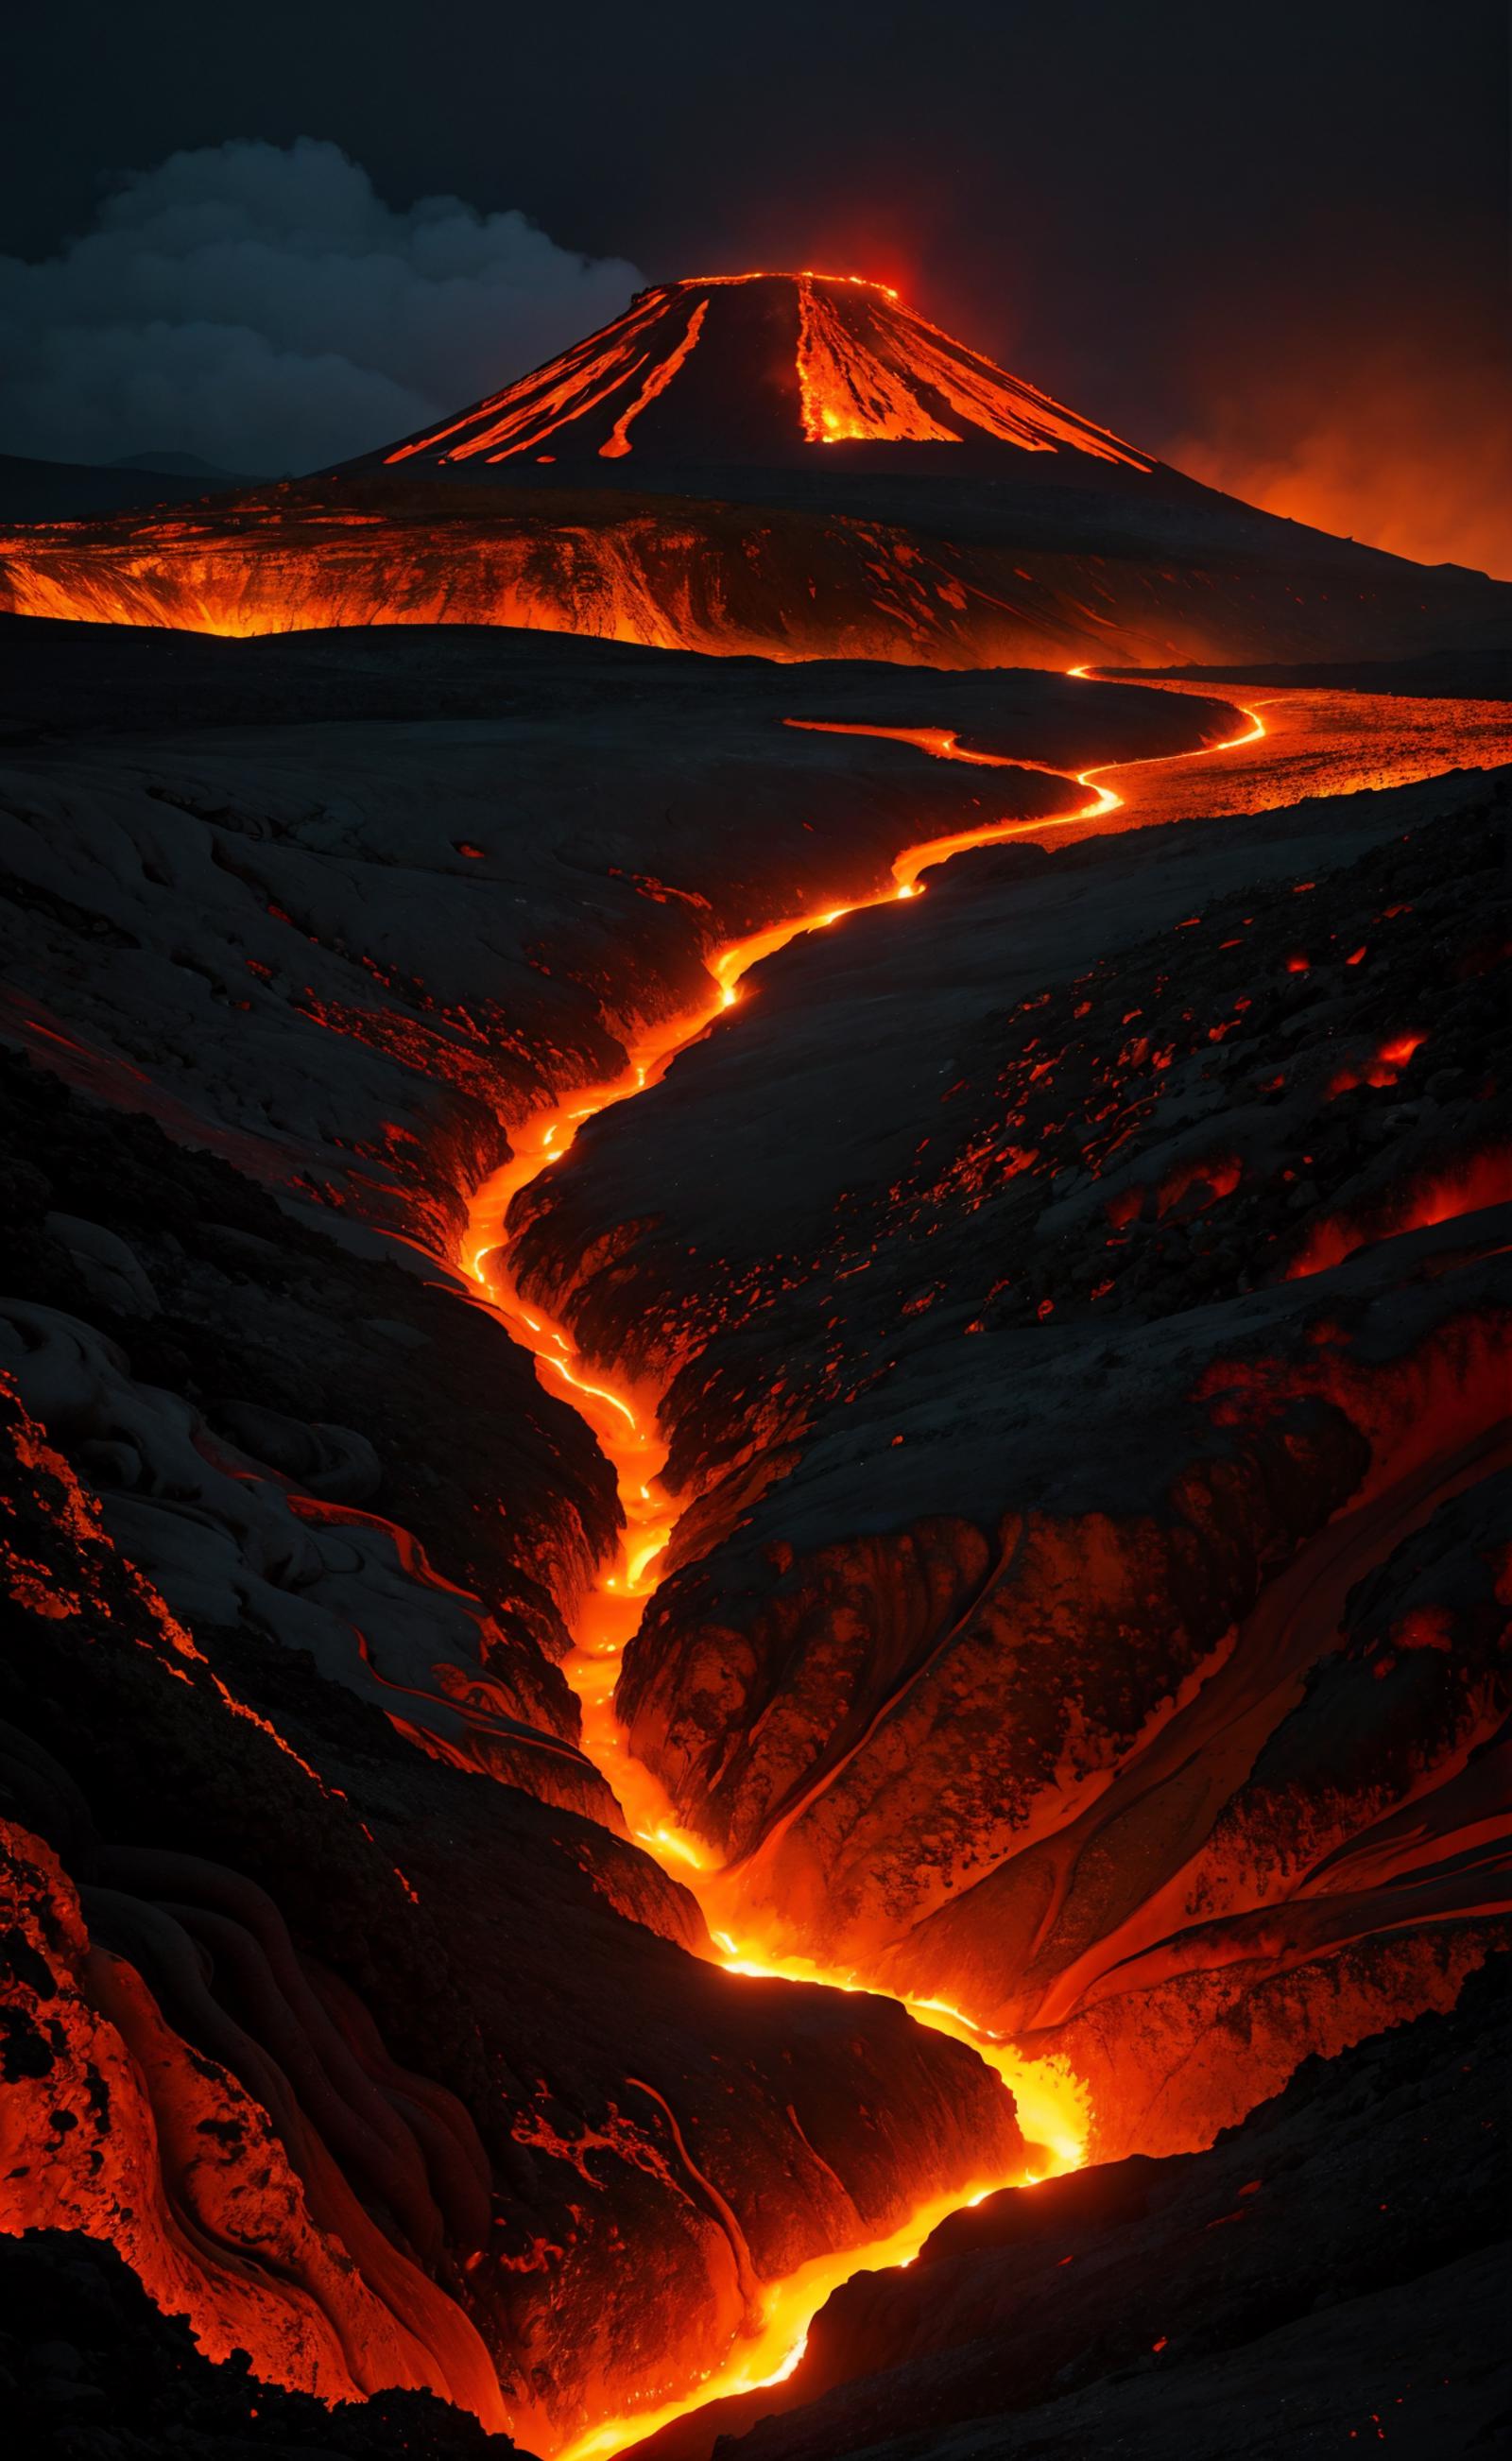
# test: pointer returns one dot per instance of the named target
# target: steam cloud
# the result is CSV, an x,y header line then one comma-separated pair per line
x,y
260,307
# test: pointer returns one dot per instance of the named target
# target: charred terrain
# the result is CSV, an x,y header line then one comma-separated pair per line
x,y
755,1444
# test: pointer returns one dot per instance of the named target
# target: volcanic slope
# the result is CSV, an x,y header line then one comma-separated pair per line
x,y
788,464
760,367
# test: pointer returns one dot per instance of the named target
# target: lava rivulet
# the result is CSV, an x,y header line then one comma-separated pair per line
x,y
623,1418
1316,744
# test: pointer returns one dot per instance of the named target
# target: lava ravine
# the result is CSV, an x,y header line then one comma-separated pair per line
x,y
623,1418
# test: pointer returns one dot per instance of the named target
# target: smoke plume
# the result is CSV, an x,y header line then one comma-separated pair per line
x,y
260,305
1404,443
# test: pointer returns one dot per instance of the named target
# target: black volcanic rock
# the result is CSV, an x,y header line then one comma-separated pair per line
x,y
91,2371
1041,1070
348,954
332,1994
233,1289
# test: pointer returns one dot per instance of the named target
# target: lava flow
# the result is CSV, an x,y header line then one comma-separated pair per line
x,y
624,1418
836,359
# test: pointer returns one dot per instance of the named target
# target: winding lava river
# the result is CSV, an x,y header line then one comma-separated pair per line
x,y
1309,756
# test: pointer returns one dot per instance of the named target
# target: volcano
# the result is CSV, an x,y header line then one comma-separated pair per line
x,y
783,465
760,367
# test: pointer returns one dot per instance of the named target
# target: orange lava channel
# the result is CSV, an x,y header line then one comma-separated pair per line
x,y
623,1418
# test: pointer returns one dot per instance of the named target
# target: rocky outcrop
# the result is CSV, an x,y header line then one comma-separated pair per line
x,y
207,1382
1116,1081
728,579
1002,572
967,1752
226,1543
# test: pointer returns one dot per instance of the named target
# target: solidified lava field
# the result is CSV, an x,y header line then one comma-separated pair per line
x,y
754,1440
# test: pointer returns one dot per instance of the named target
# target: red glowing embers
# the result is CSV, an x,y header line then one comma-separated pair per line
x,y
1438,1196
1202,1182
1384,1069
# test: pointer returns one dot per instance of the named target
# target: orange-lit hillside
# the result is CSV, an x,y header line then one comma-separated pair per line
x,y
802,359
733,467
413,545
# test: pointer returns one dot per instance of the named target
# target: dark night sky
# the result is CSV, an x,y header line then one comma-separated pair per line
x,y
1273,238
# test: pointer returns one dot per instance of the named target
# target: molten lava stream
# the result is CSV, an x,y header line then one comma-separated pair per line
x,y
624,1418
943,746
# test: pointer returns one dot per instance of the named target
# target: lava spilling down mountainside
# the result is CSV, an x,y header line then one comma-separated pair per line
x,y
786,465
764,363
753,1442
